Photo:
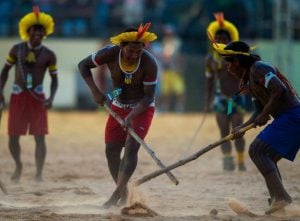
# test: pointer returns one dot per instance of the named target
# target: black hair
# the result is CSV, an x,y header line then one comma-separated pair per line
x,y
37,26
244,60
130,29
223,32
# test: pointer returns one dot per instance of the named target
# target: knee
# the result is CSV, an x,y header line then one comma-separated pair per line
x,y
132,146
40,140
112,150
131,152
253,149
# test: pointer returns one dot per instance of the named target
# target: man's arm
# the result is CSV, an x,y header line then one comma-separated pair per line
x,y
276,89
258,108
10,61
53,89
149,82
3,80
209,85
143,104
54,81
85,67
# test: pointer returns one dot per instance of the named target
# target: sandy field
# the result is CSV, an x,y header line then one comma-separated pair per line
x,y
77,181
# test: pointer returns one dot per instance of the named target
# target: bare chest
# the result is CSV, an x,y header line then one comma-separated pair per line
x,y
121,77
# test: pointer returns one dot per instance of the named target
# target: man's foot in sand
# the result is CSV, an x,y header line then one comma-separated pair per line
x,y
123,198
228,164
17,174
242,167
113,200
39,178
277,205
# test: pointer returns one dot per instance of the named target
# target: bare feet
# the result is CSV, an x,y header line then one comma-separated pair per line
x,y
277,205
17,174
39,178
113,200
123,198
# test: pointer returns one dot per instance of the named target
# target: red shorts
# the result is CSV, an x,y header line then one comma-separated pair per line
x,y
114,132
27,113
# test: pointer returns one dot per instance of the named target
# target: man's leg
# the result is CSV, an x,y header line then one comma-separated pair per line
x,y
224,125
15,151
260,154
275,158
237,119
40,155
127,167
113,156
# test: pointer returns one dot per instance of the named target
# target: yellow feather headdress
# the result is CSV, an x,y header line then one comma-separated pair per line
x,y
141,35
220,48
221,24
35,18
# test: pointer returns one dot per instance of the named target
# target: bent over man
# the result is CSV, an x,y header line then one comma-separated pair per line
x,y
133,70
274,97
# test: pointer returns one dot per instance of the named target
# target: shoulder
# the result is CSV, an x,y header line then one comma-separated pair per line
x,y
262,72
262,68
17,46
109,49
208,59
106,54
149,58
49,51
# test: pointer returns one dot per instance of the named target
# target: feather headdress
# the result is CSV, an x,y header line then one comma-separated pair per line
x,y
141,35
221,24
35,18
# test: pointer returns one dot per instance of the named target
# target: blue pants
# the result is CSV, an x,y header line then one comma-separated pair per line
x,y
283,134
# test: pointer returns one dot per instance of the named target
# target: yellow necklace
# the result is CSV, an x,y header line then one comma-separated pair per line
x,y
128,70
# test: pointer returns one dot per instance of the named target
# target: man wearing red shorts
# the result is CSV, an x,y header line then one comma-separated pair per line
x,y
134,70
28,105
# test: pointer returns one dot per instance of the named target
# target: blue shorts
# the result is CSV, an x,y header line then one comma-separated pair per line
x,y
283,134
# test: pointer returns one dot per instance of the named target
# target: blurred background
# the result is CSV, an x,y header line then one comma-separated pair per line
x,y
83,26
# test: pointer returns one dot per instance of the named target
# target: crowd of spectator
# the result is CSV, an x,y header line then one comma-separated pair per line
x,y
103,18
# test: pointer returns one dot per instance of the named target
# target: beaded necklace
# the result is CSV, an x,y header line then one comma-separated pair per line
x,y
128,75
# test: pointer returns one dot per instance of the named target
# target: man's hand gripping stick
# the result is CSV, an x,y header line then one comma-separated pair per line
x,y
110,96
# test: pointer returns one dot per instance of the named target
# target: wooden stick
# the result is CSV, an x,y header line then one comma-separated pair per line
x,y
194,136
190,158
142,142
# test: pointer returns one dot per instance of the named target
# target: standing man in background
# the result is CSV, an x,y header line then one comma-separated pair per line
x,y
28,105
133,70
222,86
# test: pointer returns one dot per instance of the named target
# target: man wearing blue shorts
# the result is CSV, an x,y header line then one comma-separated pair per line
x,y
273,97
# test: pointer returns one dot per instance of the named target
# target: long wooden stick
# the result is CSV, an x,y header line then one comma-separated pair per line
x,y
194,136
142,142
190,158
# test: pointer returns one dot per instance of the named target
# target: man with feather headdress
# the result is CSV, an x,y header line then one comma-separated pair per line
x,y
229,108
273,97
133,71
28,105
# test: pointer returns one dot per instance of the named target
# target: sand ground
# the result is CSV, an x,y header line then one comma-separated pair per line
x,y
77,181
